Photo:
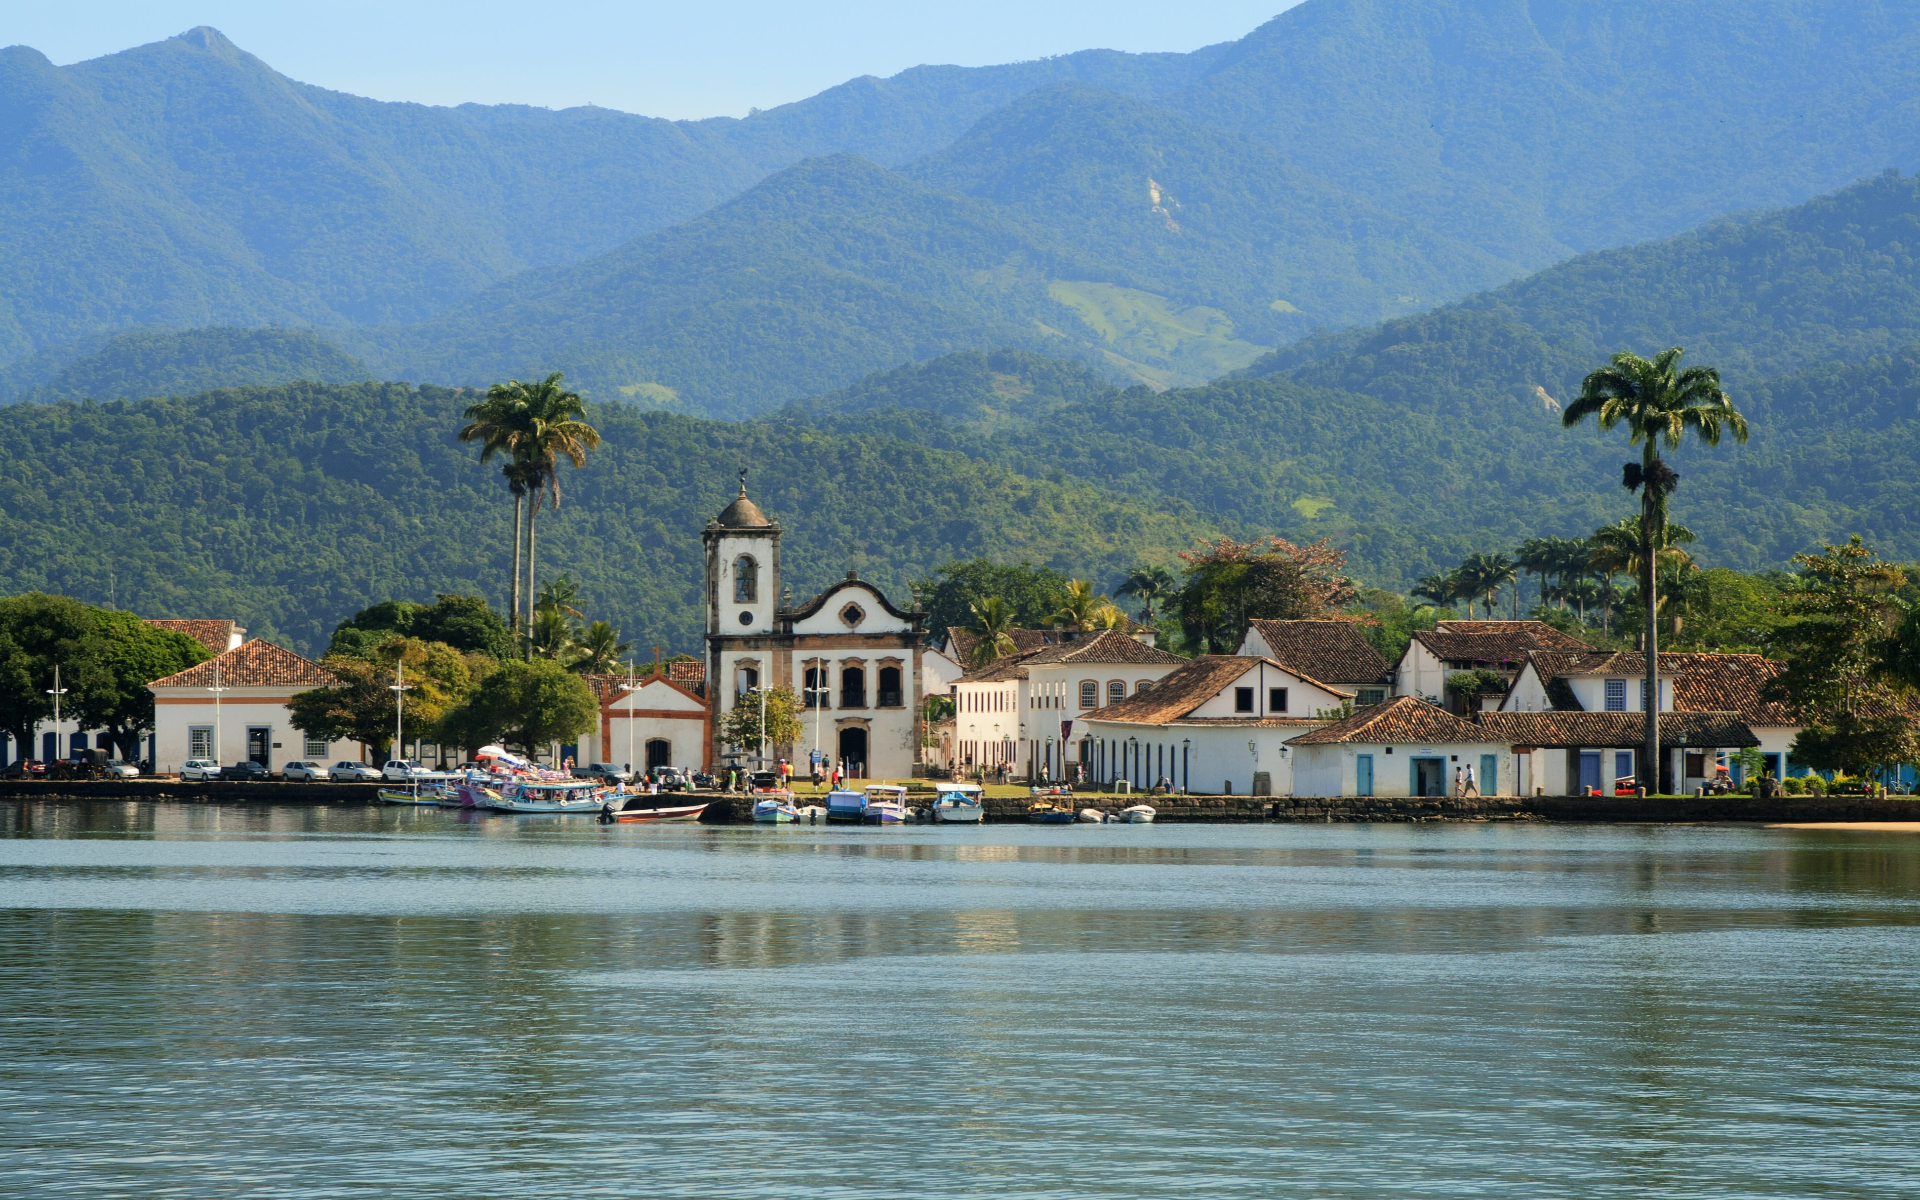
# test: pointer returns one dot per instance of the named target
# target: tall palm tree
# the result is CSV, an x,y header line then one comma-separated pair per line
x,y
1082,609
554,429
1485,574
498,423
1441,589
993,619
600,650
1149,585
1657,401
1615,550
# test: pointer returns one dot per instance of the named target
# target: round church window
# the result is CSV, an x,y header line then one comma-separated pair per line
x,y
746,618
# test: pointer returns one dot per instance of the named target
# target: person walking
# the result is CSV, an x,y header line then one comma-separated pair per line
x,y
1473,785
1458,786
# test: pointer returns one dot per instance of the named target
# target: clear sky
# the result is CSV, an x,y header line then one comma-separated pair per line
x,y
668,60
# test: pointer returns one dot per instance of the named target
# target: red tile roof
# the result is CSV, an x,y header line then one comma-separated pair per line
x,y
1172,698
1496,643
253,664
1398,721
1616,729
682,671
1325,650
214,635
1108,647
1025,641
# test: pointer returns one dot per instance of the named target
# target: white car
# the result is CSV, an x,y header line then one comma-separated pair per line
x,y
402,770
200,768
120,768
305,771
347,771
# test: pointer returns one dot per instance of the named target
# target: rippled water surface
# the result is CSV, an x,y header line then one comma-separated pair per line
x,y
348,1002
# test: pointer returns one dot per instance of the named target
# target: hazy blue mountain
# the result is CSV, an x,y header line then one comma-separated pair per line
x,y
179,363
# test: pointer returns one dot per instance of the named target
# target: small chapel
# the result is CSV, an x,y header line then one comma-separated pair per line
x,y
850,655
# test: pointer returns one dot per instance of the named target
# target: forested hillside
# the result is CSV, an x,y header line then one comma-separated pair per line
x,y
290,508
179,363
1349,160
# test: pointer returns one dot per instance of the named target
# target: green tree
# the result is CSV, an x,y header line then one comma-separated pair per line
x,y
1083,610
1615,550
992,620
464,622
600,650
362,706
741,725
525,706
555,428
132,654
37,633
1484,575
1659,402
1229,583
1839,678
1150,585
1031,594
499,424
553,636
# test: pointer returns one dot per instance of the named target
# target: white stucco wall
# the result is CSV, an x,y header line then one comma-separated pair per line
x,y
240,710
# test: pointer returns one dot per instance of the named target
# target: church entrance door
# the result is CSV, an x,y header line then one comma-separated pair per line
x,y
853,752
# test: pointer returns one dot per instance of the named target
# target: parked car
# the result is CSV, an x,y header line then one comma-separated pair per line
x,y
120,768
704,782
27,768
304,771
610,772
348,771
403,770
200,768
672,779
248,769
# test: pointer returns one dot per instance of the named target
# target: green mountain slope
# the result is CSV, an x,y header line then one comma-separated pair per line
x,y
165,363
1213,217
290,508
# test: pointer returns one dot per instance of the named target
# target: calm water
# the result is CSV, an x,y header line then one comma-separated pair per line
x,y
298,1002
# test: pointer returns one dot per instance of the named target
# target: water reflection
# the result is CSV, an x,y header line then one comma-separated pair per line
x,y
318,1002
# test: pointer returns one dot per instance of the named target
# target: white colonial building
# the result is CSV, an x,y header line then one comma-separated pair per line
x,y
234,707
660,722
853,657
1221,723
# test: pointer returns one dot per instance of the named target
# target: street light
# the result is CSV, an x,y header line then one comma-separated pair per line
x,y
399,688
1186,774
216,689
56,691
629,689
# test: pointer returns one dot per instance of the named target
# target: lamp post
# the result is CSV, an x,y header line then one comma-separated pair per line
x,y
1133,756
629,690
1186,774
399,688
56,691
216,689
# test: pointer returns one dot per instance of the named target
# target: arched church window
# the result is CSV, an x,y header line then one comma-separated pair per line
x,y
889,688
746,580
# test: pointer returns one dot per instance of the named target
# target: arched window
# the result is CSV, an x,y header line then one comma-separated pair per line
x,y
853,687
889,696
816,688
1089,694
747,679
1116,691
746,580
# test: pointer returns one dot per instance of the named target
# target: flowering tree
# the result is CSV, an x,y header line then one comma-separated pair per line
x,y
1229,583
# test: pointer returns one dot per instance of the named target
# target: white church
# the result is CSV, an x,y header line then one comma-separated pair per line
x,y
851,656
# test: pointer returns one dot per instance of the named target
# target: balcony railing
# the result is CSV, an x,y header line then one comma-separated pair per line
x,y
889,700
854,699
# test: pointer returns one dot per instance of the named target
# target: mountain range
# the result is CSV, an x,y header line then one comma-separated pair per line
x,y
1081,311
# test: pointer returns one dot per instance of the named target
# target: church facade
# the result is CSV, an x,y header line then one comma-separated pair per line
x,y
850,655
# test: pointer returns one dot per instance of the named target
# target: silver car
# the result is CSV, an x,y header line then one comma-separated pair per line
x,y
200,768
120,768
305,771
347,771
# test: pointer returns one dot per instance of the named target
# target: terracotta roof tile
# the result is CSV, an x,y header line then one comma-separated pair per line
x,y
1400,720
1172,698
253,664
1496,643
214,635
1325,650
1616,729
1109,646
1026,640
1729,683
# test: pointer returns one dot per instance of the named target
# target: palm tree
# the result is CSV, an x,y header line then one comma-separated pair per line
x,y
1148,585
1615,549
1572,570
1485,574
1657,401
562,593
1539,557
994,619
600,649
498,423
1081,610
539,424
551,635
1441,589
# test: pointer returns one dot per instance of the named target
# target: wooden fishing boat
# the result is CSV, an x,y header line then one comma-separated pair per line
x,y
886,804
413,796
567,796
959,802
774,807
846,806
1046,812
638,806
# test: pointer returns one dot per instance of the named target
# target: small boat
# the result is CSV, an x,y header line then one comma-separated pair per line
x,y
412,796
886,805
959,802
1051,789
1046,812
845,806
774,807
638,806
1139,814
582,796
1093,816
811,813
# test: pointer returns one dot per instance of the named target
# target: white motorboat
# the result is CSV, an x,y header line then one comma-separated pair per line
x,y
1139,814
959,802
886,805
1093,816
774,808
640,806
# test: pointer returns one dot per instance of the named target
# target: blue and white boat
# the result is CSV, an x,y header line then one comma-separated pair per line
x,y
846,806
959,802
886,805
774,808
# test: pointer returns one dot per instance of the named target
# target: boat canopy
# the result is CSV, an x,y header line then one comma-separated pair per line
x,y
886,791
967,789
845,800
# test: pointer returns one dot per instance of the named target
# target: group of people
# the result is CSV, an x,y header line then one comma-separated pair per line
x,y
820,770
1464,783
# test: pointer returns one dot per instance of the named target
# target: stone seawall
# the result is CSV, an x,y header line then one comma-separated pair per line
x,y
1212,809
